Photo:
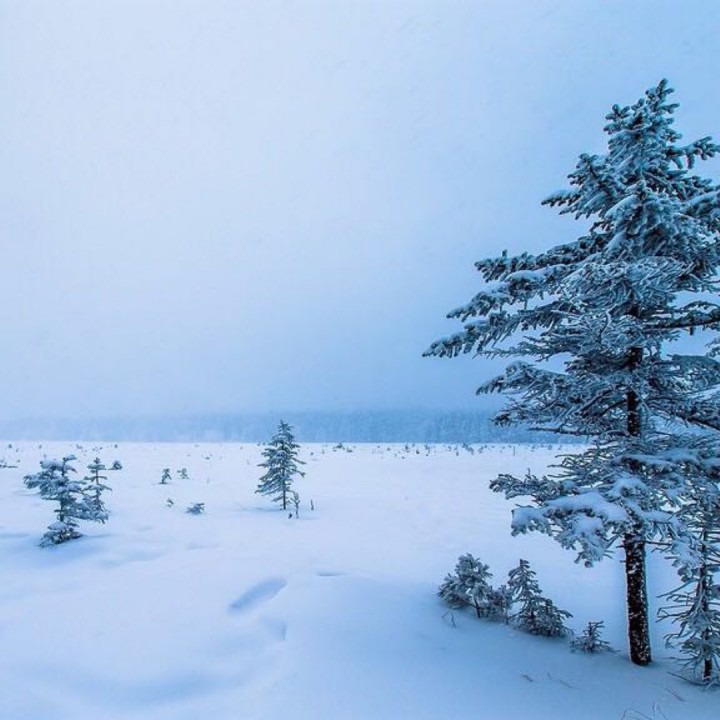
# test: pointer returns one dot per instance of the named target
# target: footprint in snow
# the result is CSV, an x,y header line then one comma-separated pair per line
x,y
258,595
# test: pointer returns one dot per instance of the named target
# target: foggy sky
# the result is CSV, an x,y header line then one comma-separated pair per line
x,y
231,206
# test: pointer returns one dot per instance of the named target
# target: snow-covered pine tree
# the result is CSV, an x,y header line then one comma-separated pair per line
x,y
54,482
96,487
694,607
524,590
498,604
591,641
537,614
607,308
281,465
295,498
469,586
550,620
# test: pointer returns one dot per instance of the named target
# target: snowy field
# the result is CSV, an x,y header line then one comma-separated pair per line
x,y
243,613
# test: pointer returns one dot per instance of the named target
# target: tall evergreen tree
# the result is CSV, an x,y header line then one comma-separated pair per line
x,y
605,310
281,465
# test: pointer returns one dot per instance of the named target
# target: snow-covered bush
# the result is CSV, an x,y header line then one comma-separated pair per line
x,y
537,614
590,641
165,476
468,586
196,508
75,499
498,604
295,498
95,485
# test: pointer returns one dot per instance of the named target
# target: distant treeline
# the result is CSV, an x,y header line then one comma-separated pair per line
x,y
403,426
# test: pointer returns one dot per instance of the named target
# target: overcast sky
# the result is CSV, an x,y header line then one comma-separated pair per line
x,y
231,206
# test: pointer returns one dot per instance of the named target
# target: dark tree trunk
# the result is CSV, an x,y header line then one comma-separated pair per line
x,y
637,604
634,546
705,591
633,401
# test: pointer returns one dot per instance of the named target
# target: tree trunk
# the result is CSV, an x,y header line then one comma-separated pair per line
x,y
634,546
705,588
637,604
633,402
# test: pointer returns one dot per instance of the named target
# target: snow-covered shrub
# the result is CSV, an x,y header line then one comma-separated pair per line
x,y
196,508
165,476
537,614
590,641
74,497
295,498
469,586
498,604
550,620
95,484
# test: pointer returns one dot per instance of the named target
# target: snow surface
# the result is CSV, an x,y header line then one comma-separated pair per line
x,y
243,613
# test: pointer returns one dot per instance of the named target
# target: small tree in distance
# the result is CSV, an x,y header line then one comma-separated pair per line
x,y
96,486
75,502
281,465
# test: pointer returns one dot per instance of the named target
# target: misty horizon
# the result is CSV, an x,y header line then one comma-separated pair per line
x,y
233,207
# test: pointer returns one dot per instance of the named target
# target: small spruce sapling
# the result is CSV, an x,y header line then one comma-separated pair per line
x,y
54,483
165,476
469,586
537,614
96,487
281,465
295,497
499,604
591,639
550,621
